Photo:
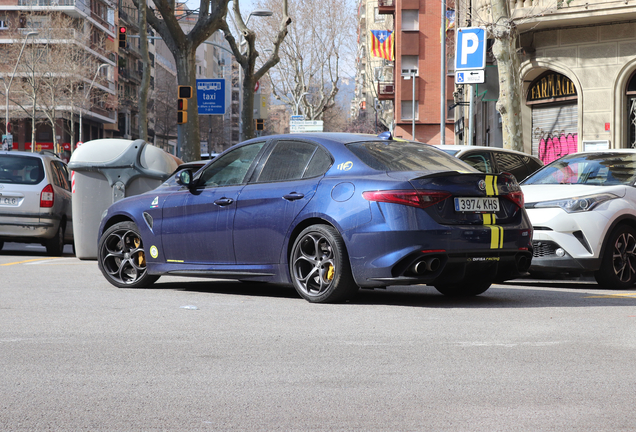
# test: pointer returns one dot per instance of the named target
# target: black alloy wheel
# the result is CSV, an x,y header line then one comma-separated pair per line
x,y
319,266
618,264
122,258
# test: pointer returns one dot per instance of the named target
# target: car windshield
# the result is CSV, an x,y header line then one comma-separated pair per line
x,y
448,151
405,156
599,169
21,169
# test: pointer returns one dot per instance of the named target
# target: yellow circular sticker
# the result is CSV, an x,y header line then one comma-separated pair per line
x,y
154,252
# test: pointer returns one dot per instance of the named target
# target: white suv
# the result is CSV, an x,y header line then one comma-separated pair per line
x,y
35,200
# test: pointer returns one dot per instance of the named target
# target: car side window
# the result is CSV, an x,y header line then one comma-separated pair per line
x,y
231,168
290,160
479,161
62,172
319,164
55,175
513,164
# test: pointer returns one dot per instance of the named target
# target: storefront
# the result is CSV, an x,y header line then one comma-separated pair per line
x,y
553,100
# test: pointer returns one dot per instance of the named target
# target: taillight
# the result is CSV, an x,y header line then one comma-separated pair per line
x,y
413,198
517,198
47,196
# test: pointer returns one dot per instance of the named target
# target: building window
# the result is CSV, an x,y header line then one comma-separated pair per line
x,y
4,22
410,20
410,64
377,16
407,110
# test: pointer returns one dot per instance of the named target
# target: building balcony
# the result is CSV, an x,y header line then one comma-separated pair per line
x,y
386,90
547,14
386,6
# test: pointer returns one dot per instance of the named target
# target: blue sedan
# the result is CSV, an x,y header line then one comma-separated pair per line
x,y
327,213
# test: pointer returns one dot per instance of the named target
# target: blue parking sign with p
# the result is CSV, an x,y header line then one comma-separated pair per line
x,y
470,48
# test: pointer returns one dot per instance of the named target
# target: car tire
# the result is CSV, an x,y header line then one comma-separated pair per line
x,y
319,266
618,264
122,258
55,245
466,289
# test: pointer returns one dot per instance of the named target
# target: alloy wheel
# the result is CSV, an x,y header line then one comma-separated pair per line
x,y
123,257
314,265
624,257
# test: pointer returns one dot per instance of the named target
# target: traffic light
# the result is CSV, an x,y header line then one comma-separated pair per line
x,y
185,92
122,37
260,124
182,111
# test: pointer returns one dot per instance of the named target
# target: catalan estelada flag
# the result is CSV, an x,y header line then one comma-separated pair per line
x,y
382,44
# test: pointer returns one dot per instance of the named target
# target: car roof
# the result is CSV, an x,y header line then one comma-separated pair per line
x,y
464,148
338,137
42,154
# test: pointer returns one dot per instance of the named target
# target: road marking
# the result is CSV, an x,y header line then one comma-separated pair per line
x,y
25,261
626,295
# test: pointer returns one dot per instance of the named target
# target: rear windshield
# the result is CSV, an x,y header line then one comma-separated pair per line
x,y
21,169
598,169
405,156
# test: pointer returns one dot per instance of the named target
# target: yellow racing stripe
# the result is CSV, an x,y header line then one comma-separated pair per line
x,y
491,185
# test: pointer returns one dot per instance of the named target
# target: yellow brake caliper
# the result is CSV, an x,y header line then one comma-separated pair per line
x,y
330,273
142,257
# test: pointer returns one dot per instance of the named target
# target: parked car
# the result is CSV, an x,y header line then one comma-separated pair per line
x,y
583,211
35,200
493,160
327,213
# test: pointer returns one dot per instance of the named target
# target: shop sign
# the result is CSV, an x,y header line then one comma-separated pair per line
x,y
551,87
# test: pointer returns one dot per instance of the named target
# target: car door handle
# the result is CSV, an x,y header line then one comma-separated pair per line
x,y
222,202
293,196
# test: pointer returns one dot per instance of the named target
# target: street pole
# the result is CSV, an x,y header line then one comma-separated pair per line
x,y
6,124
413,72
86,94
442,120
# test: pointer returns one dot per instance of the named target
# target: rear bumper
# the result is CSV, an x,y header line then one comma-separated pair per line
x,y
456,268
22,228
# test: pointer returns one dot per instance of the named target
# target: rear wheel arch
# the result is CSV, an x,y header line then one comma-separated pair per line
x,y
300,227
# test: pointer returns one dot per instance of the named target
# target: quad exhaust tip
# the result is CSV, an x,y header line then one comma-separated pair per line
x,y
426,265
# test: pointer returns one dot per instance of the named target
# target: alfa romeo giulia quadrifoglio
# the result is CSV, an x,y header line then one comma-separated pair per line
x,y
327,213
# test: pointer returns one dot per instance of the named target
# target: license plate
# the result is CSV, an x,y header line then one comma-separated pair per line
x,y
477,205
9,201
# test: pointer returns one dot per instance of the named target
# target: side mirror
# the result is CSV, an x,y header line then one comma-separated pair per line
x,y
184,178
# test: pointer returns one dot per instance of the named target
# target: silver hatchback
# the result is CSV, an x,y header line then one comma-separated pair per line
x,y
35,200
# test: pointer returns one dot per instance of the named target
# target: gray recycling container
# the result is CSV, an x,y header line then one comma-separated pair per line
x,y
105,171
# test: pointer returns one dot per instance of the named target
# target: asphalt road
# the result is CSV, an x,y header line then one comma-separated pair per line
x,y
190,354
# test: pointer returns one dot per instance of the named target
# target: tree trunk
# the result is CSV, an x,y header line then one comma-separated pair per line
x,y
504,50
188,133
247,112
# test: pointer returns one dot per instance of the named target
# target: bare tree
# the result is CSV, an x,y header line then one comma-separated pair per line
x,y
320,36
247,58
210,17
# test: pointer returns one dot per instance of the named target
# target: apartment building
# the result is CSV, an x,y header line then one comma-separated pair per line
x,y
578,75
408,90
90,34
374,83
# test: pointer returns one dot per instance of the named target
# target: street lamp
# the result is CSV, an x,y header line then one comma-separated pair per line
x,y
298,101
6,124
86,93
